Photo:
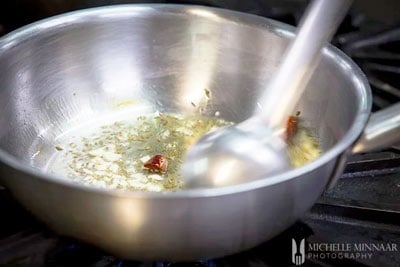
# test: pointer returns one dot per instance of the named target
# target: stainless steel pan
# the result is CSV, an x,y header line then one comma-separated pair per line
x,y
61,72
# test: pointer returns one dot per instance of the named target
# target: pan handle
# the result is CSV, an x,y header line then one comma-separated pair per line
x,y
382,130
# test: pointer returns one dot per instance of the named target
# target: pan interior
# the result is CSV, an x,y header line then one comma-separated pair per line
x,y
73,73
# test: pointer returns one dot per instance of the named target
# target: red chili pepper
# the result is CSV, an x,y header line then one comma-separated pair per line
x,y
157,163
291,127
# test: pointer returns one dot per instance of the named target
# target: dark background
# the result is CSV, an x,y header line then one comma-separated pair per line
x,y
16,13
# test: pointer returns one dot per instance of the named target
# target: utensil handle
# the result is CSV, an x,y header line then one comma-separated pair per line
x,y
382,130
316,29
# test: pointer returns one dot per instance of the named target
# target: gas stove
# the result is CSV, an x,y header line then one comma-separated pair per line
x,y
357,223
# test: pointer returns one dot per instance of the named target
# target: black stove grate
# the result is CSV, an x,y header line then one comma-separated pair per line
x,y
378,54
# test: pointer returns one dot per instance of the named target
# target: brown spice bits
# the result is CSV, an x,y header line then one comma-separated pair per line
x,y
157,163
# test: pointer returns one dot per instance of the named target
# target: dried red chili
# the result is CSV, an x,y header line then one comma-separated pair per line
x,y
157,163
291,127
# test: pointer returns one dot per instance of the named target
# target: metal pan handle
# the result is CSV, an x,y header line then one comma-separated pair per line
x,y
382,130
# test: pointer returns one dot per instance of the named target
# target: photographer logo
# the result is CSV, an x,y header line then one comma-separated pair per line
x,y
298,252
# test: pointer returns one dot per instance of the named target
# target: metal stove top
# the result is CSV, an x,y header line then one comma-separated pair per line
x,y
357,223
